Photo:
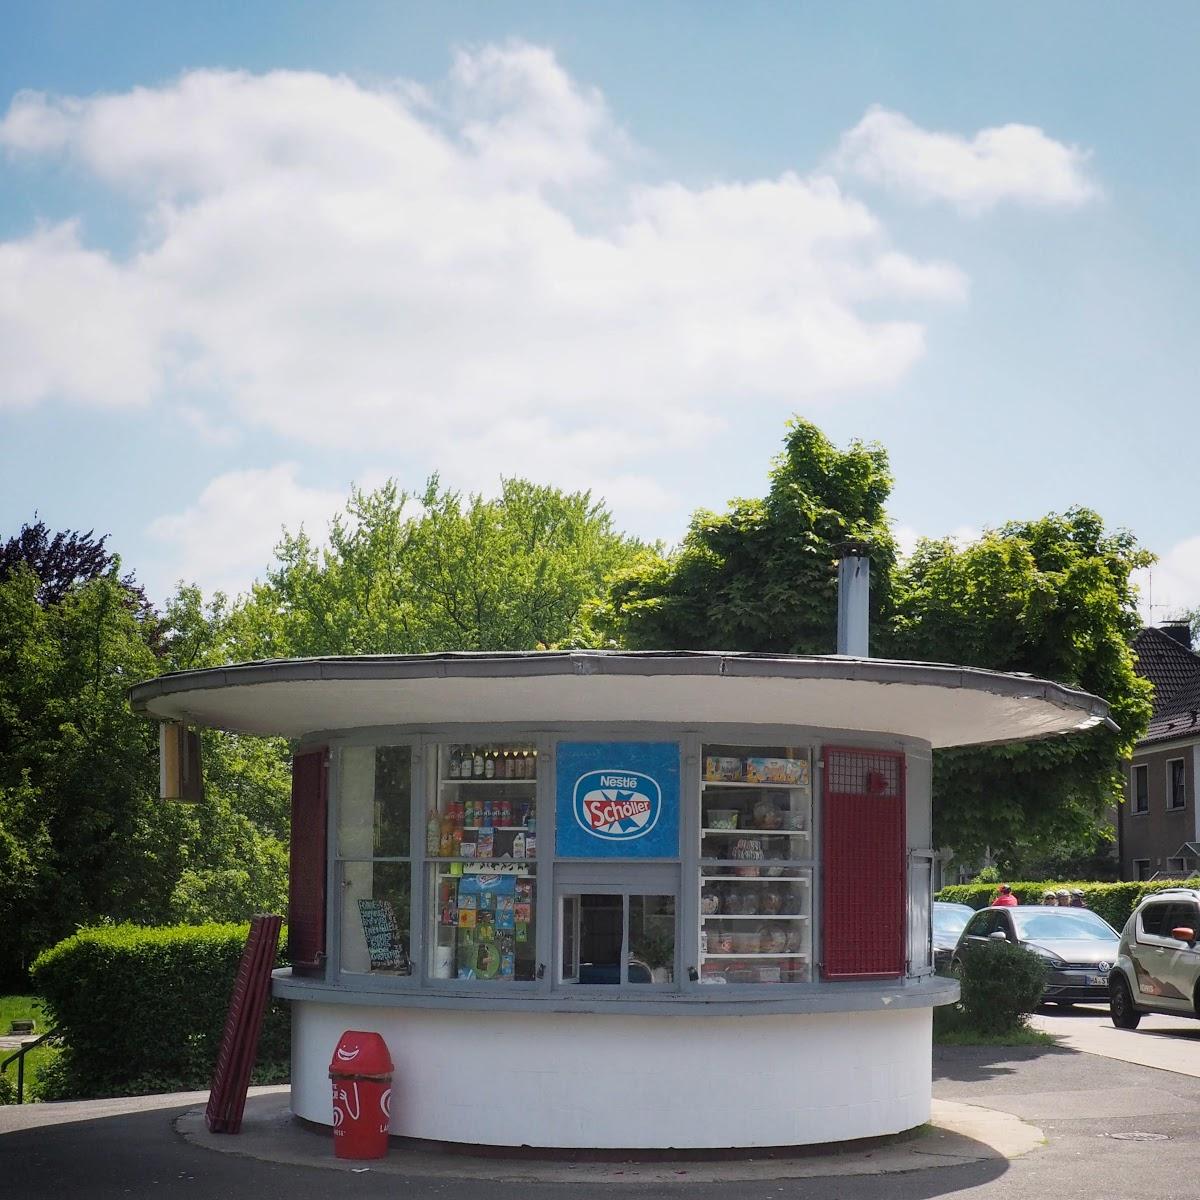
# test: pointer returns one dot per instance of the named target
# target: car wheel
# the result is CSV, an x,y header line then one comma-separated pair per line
x,y
1120,1003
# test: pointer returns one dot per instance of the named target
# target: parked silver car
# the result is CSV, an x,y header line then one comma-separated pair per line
x,y
1158,964
949,920
1078,946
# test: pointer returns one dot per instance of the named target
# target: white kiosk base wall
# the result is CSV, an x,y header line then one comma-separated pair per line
x,y
575,1080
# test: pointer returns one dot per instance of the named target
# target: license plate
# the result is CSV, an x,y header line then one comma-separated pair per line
x,y
1097,981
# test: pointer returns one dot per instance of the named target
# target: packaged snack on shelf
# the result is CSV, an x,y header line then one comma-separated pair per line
x,y
531,845
777,770
485,843
723,770
518,850
466,849
722,818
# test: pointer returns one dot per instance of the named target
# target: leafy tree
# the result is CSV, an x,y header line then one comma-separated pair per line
x,y
442,572
83,837
64,559
762,576
1053,598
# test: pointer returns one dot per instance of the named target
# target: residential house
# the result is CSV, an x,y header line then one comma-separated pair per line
x,y
1158,826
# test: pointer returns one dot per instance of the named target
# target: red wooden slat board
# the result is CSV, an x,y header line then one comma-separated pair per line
x,y
863,833
243,1024
306,892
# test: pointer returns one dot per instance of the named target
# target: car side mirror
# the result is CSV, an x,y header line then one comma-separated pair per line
x,y
998,936
1184,934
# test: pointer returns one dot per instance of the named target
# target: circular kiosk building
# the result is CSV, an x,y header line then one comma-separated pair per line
x,y
618,900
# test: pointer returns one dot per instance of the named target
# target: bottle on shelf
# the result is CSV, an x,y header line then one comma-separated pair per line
x,y
477,764
489,765
455,766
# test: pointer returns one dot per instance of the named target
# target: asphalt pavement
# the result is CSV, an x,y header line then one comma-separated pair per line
x,y
1106,1128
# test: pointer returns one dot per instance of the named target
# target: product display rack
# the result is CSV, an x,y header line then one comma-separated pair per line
x,y
482,902
756,863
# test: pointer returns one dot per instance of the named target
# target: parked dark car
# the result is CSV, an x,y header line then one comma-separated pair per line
x,y
1079,947
949,920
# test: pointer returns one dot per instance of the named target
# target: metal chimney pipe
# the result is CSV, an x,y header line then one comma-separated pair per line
x,y
854,600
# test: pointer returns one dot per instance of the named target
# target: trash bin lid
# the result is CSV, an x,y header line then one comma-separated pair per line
x,y
361,1053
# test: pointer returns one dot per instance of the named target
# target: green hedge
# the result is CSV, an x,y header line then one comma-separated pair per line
x,y
1113,901
141,1010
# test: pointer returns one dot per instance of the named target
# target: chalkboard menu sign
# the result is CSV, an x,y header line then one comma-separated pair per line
x,y
382,931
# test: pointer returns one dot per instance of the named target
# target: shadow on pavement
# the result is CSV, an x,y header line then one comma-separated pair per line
x,y
128,1155
978,1064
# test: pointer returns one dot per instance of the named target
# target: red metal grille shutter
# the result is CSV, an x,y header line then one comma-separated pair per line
x,y
863,832
306,894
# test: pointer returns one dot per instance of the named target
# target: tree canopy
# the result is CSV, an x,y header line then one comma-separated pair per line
x,y
1051,597
762,576
405,574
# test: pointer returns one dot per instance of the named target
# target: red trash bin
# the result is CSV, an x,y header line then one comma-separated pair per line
x,y
361,1071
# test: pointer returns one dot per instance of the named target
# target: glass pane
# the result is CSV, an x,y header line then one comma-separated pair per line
x,y
482,921
756,803
755,924
651,939
601,926
486,803
375,918
393,801
375,802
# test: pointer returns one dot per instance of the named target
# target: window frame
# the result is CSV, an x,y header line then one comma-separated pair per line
x,y
1139,796
338,861
1181,763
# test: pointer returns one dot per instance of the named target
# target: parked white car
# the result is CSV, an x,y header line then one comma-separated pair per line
x,y
1158,962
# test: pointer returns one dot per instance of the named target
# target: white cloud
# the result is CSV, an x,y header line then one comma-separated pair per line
x,y
1014,163
1172,586
225,540
390,269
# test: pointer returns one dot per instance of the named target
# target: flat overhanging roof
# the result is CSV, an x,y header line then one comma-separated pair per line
x,y
940,704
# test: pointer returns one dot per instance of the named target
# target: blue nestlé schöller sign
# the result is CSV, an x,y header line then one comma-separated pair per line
x,y
617,800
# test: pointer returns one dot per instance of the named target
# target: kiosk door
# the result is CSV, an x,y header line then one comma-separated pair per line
x,y
617,926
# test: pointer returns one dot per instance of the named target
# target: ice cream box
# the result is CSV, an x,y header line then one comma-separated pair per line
x,y
523,912
793,771
727,770
466,918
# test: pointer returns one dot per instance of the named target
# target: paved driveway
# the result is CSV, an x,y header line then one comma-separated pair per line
x,y
1114,1129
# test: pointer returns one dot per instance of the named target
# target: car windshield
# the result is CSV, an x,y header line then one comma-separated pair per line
x,y
1065,924
950,918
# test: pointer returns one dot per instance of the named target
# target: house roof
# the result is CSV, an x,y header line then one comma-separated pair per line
x,y
1174,670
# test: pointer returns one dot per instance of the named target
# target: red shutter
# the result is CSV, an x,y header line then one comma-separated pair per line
x,y
863,832
306,895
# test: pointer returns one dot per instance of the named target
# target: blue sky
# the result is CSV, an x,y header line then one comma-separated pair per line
x,y
252,253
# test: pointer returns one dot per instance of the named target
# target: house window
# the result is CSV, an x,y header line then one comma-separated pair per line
x,y
1140,788
1141,868
1176,867
1176,784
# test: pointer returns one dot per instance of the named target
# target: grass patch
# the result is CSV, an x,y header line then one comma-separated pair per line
x,y
1016,1037
951,1028
24,1008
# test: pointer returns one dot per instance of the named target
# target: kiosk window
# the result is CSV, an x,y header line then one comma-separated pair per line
x,y
481,868
613,938
374,821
